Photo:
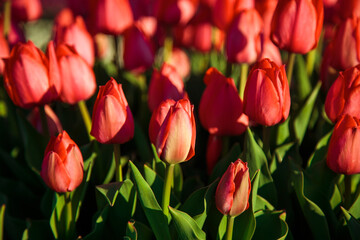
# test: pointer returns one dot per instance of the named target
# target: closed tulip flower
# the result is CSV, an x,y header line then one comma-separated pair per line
x,y
62,167
220,109
233,191
72,31
343,96
165,84
343,153
138,52
30,77
267,95
77,77
172,130
53,122
173,12
180,61
26,10
112,120
297,24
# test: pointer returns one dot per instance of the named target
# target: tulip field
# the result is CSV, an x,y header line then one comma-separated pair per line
x,y
179,119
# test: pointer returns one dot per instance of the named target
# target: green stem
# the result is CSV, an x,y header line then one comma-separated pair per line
x,y
310,61
229,227
69,221
243,79
118,170
167,188
168,46
7,18
44,125
347,197
119,53
86,117
290,67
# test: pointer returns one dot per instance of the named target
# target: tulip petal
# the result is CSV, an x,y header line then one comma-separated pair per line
x,y
74,166
225,191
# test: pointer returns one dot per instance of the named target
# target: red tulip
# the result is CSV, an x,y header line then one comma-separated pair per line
x,y
343,96
4,52
77,77
112,121
220,109
26,10
15,34
72,31
138,52
271,51
180,61
53,122
110,16
173,12
30,78
165,84
233,191
266,9
343,153
172,130
267,95
62,167
297,24
244,38
349,8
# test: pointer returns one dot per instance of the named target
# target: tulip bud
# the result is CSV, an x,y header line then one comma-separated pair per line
x,y
62,167
349,8
173,12
267,94
343,153
244,38
77,77
111,16
220,108
343,97
296,25
53,122
180,61
165,84
172,130
112,121
138,52
26,10
27,77
72,31
233,191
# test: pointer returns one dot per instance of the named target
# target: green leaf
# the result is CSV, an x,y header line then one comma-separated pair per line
x,y
110,191
355,208
131,232
320,150
55,219
352,223
158,166
158,221
34,144
187,227
99,226
313,214
303,84
37,229
271,225
302,118
178,180
2,214
143,231
256,159
197,205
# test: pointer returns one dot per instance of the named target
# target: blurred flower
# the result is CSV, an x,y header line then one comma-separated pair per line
x,y
213,151
110,16
4,52
180,61
233,191
220,108
29,76
53,122
349,8
271,51
343,153
138,52
77,77
165,84
244,38
173,12
266,9
72,31
343,96
267,94
25,10
62,167
172,130
297,24
15,33
112,120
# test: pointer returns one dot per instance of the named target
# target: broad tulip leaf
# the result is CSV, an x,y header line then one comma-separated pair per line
x,y
302,118
186,226
99,226
110,191
320,150
158,221
282,132
256,159
271,225
131,232
197,205
303,84
313,214
222,228
2,214
143,231
355,208
158,166
55,219
352,223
